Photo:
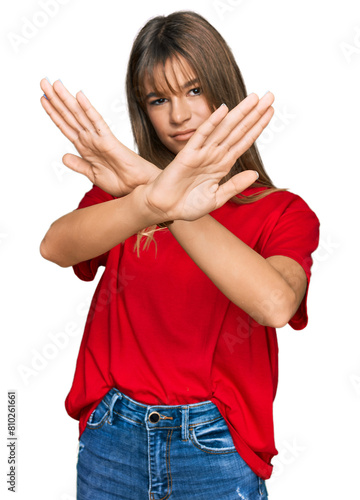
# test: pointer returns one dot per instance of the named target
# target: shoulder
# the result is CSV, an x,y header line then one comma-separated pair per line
x,y
289,226
280,214
276,203
284,197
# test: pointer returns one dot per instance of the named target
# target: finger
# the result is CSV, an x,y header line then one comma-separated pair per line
x,y
73,105
246,124
94,116
79,165
250,137
209,125
234,186
234,117
66,105
68,131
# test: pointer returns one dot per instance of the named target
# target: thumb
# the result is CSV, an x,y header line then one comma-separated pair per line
x,y
235,185
78,164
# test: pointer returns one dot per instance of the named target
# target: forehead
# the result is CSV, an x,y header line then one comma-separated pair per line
x,y
172,76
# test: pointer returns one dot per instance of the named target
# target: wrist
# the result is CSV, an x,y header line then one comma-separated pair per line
x,y
150,214
138,171
165,224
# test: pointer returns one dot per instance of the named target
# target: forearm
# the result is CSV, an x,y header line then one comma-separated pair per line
x,y
243,275
88,232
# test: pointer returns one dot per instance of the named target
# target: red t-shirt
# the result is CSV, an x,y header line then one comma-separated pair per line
x,y
161,332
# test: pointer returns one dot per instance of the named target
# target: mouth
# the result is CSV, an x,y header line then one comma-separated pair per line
x,y
183,135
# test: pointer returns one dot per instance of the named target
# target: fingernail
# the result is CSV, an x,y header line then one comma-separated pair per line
x,y
82,92
223,104
48,79
45,97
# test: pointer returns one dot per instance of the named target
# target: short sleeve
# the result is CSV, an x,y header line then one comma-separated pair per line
x,y
87,270
295,235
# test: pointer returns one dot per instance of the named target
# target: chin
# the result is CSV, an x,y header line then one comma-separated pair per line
x,y
176,149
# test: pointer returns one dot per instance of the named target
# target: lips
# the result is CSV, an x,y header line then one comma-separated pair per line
x,y
183,135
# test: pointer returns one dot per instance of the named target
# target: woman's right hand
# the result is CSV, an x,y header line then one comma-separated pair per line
x,y
103,159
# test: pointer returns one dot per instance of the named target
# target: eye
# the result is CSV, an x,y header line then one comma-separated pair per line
x,y
157,102
195,91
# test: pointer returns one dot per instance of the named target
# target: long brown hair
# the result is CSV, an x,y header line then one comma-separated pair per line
x,y
187,35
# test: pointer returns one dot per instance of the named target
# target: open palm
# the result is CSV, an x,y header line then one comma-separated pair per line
x,y
190,187
103,159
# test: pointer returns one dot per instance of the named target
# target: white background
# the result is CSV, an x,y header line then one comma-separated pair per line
x,y
308,54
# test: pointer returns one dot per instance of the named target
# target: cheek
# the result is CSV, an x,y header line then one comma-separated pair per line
x,y
156,122
205,111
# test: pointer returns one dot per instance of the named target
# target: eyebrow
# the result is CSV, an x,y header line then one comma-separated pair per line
x,y
188,84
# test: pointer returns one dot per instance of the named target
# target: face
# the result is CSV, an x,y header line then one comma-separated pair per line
x,y
176,116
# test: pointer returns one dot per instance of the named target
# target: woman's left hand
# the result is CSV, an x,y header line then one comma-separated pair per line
x,y
189,187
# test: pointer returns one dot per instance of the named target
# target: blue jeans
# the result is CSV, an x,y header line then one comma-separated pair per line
x,y
131,451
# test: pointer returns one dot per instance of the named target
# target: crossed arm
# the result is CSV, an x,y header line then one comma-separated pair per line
x,y
186,191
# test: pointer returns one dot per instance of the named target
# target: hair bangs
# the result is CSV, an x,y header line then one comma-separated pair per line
x,y
155,71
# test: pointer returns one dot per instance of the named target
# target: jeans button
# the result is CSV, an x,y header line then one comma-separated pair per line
x,y
154,417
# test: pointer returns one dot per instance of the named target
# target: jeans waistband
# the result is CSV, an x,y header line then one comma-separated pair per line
x,y
161,416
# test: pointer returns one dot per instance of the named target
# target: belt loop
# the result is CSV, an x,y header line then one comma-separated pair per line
x,y
185,423
115,397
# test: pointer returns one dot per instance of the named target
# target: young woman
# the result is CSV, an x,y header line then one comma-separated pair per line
x,y
177,370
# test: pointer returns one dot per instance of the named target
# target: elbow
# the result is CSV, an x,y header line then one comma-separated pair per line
x,y
48,254
279,321
44,250
277,311
272,321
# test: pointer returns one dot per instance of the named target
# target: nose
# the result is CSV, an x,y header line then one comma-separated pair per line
x,y
180,111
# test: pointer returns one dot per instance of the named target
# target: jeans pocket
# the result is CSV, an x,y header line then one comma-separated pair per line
x,y
98,416
212,437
